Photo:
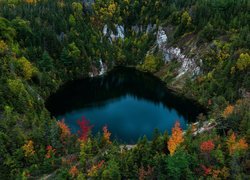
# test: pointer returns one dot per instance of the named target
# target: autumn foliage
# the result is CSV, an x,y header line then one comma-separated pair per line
x,y
3,47
28,148
92,172
176,139
228,111
50,151
207,146
73,171
65,131
85,128
106,134
234,145
31,1
214,173
206,170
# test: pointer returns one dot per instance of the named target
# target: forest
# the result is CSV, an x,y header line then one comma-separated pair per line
x,y
46,43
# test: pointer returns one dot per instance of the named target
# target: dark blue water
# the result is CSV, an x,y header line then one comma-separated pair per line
x,y
131,103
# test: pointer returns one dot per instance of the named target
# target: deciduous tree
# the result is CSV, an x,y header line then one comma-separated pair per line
x,y
106,134
85,129
176,139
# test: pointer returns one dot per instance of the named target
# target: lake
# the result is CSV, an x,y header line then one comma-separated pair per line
x,y
131,103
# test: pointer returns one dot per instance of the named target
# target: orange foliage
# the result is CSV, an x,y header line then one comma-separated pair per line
x,y
93,170
106,134
207,146
228,111
65,131
242,144
176,139
28,148
30,1
50,152
73,171
234,145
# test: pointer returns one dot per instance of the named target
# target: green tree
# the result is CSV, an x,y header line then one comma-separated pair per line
x,y
208,32
72,20
74,52
178,165
111,171
64,57
46,62
7,32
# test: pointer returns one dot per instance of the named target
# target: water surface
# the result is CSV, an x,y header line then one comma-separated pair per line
x,y
131,103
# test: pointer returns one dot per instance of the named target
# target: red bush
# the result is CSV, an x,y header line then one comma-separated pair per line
x,y
207,146
85,128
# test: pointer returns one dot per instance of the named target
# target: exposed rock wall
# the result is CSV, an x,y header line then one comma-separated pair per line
x,y
188,65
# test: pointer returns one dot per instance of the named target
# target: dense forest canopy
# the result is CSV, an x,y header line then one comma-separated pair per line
x,y
44,43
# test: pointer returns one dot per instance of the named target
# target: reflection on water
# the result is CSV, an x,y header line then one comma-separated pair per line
x,y
129,102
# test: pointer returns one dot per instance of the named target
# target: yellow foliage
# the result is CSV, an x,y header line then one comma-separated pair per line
x,y
223,56
3,47
108,11
16,86
92,172
176,139
27,68
112,8
151,63
28,149
220,173
243,62
223,50
229,110
186,18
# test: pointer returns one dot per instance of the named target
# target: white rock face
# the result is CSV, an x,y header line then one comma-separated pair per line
x,y
171,53
120,32
188,65
114,35
161,38
102,71
98,72
105,30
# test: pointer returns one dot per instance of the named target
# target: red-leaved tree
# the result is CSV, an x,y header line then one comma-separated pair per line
x,y
207,146
85,128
